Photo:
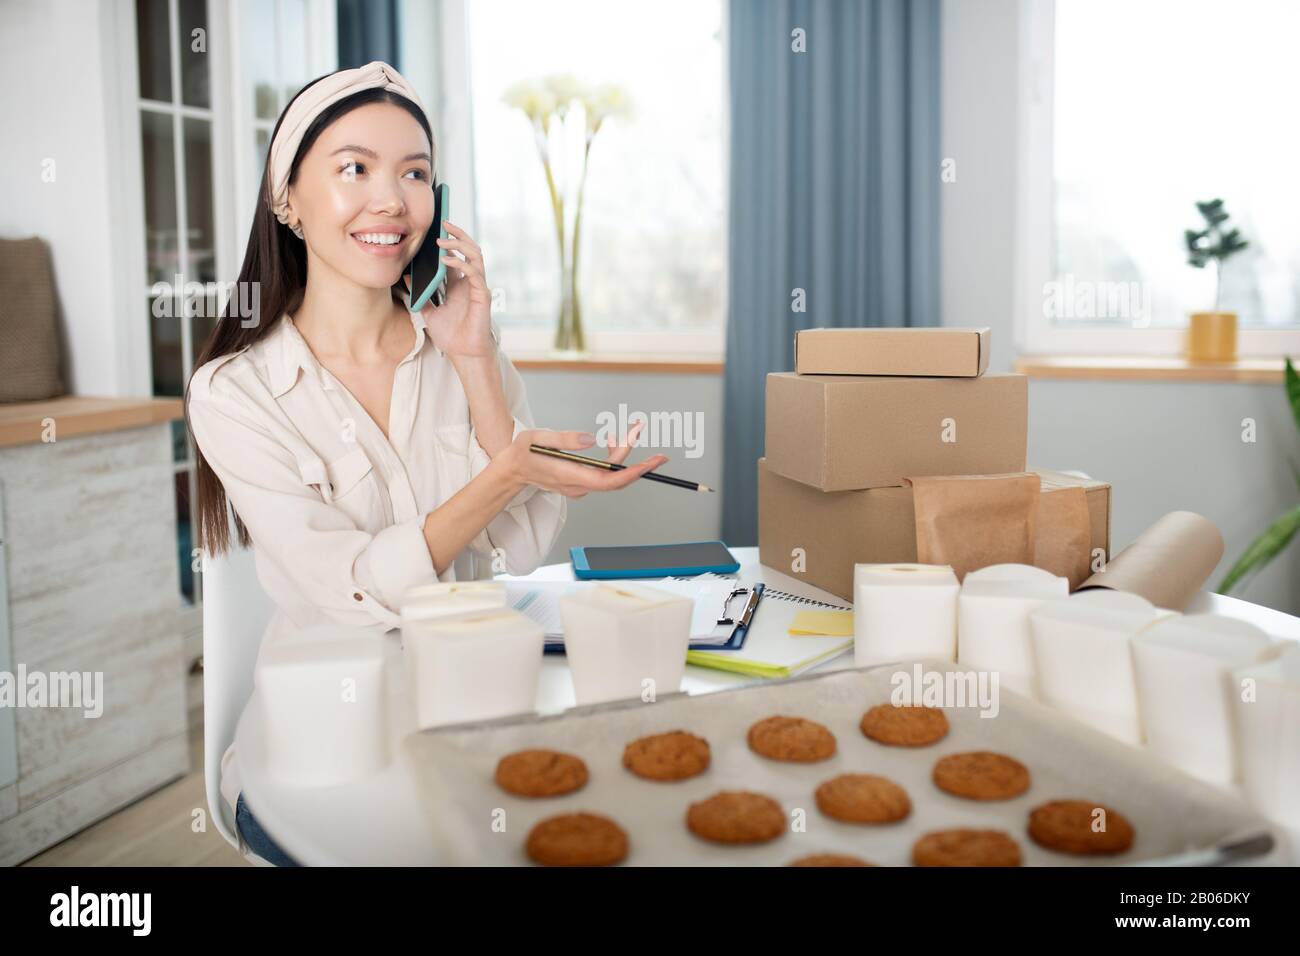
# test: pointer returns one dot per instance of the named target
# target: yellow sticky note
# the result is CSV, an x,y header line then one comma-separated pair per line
x,y
829,623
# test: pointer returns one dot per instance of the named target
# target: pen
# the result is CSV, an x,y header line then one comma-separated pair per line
x,y
611,466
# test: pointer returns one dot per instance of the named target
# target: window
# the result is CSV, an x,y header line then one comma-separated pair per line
x,y
281,45
652,257
1133,113
202,153
176,140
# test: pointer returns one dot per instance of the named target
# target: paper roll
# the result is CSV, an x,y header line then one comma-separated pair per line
x,y
904,612
1167,563
1183,668
324,706
429,601
625,640
1266,701
473,666
993,621
1085,661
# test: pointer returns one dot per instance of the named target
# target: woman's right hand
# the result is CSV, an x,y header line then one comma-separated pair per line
x,y
566,477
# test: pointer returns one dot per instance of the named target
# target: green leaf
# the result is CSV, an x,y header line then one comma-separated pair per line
x,y
1263,549
1293,390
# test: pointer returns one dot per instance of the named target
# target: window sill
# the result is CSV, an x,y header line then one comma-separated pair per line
x,y
626,363
1150,368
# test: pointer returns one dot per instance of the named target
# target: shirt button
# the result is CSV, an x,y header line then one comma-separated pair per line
x,y
356,596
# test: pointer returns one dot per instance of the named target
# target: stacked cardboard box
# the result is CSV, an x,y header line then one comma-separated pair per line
x,y
865,409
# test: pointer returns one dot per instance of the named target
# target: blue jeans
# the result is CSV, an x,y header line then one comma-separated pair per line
x,y
257,839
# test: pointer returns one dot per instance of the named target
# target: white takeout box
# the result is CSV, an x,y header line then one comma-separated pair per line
x,y
1083,652
904,612
473,666
1266,699
993,632
324,704
445,598
1183,667
625,640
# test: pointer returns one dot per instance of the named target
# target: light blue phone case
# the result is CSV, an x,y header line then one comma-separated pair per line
x,y
444,205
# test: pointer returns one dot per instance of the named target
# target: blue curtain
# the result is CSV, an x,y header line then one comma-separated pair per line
x,y
835,177
367,30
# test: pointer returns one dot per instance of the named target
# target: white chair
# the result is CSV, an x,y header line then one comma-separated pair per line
x,y
235,613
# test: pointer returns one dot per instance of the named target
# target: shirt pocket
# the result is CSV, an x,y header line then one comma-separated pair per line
x,y
348,483
451,446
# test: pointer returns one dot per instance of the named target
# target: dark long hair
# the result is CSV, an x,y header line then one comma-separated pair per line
x,y
276,262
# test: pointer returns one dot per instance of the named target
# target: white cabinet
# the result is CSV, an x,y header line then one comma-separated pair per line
x,y
93,616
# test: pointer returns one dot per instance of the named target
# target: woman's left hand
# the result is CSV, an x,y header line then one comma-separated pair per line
x,y
461,326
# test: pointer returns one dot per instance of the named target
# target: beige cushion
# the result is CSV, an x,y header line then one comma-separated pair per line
x,y
29,335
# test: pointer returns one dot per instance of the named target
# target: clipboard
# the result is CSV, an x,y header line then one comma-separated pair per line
x,y
740,624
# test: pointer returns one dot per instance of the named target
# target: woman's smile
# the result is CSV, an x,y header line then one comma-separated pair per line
x,y
382,241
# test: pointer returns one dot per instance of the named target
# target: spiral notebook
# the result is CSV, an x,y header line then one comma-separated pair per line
x,y
770,650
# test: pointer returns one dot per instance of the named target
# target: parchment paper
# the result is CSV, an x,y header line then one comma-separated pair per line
x,y
1167,563
1171,812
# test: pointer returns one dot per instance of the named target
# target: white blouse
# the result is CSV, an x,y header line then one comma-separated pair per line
x,y
335,509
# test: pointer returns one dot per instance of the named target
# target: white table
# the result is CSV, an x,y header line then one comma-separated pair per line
x,y
378,820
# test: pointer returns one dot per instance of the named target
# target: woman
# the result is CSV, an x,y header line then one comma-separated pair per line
x,y
364,449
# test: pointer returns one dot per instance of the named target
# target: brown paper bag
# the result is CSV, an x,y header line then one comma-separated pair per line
x,y
972,521
1063,544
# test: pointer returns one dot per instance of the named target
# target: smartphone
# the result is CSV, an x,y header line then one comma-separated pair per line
x,y
653,560
427,270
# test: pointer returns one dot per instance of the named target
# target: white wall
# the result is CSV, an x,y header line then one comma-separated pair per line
x,y
1163,446
647,512
62,89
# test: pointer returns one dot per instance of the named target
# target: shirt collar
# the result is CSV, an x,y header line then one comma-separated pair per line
x,y
287,353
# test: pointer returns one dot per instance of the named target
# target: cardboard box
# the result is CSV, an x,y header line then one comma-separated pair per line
x,y
836,530
940,352
842,433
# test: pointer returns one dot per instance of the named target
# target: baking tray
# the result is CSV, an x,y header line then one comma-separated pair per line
x,y
1178,820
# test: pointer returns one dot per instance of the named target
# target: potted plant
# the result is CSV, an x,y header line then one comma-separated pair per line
x,y
1279,534
1212,336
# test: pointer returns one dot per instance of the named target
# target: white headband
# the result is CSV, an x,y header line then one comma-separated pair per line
x,y
313,101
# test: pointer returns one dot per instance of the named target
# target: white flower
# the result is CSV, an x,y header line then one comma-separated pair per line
x,y
566,88
535,99
606,101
